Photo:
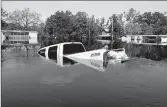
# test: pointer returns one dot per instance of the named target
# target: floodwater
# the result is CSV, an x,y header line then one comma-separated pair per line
x,y
35,82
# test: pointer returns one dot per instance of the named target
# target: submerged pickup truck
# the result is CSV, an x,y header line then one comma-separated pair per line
x,y
56,52
70,52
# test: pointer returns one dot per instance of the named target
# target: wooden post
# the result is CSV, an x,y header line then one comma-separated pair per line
x,y
34,49
26,51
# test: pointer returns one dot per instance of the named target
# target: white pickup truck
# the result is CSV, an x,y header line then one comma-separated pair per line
x,y
70,52
56,52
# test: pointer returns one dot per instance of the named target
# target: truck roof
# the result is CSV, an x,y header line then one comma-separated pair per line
x,y
63,44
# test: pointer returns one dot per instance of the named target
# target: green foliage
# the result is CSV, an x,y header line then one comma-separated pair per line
x,y
4,14
24,18
118,29
132,28
146,29
11,26
60,25
147,23
3,24
153,23
131,15
67,27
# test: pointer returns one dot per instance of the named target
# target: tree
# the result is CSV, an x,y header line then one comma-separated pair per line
x,y
159,23
120,19
82,26
146,29
41,33
165,13
11,26
24,18
153,23
60,25
68,27
118,29
4,14
131,15
132,28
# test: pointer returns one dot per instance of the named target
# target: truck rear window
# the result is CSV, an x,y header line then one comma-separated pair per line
x,y
73,48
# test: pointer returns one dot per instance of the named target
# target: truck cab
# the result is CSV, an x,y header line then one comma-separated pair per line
x,y
56,52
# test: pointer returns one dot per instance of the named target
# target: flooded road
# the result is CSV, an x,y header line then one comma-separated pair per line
x,y
35,82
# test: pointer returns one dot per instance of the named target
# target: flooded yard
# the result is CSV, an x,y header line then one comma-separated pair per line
x,y
35,82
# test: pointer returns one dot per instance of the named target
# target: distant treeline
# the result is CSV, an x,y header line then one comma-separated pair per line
x,y
66,26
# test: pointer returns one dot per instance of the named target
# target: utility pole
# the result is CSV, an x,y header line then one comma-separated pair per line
x,y
89,34
112,40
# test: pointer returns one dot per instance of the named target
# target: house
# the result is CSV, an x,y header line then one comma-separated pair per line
x,y
17,36
146,39
105,37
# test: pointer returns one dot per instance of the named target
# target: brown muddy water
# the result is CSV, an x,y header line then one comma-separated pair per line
x,y
34,82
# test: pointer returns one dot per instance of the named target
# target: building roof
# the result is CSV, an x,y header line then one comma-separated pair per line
x,y
106,35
